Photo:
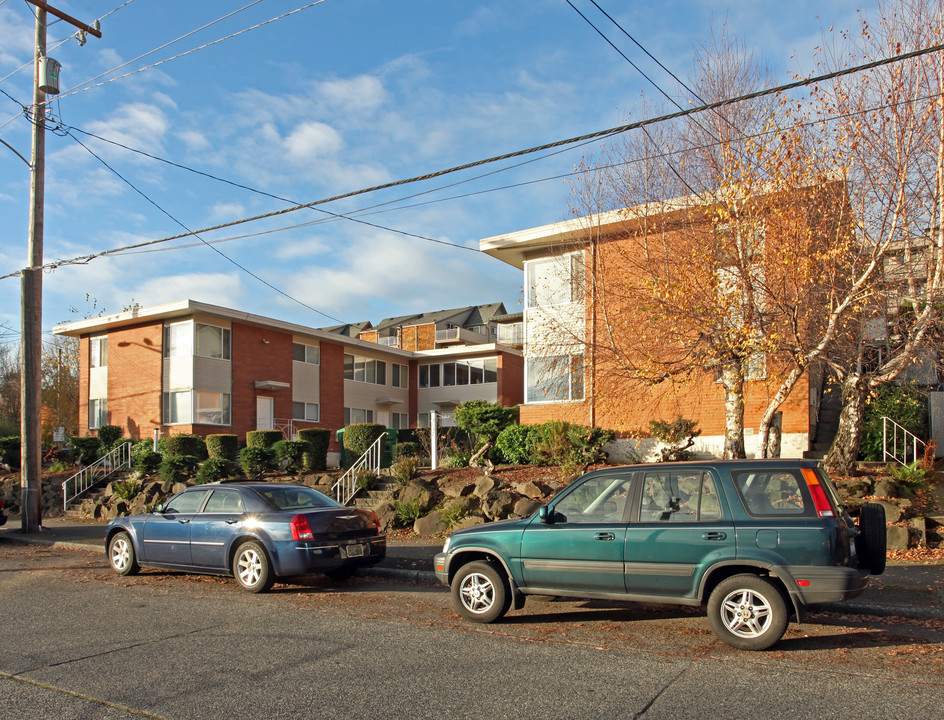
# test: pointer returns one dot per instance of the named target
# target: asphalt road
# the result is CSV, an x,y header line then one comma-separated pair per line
x,y
83,643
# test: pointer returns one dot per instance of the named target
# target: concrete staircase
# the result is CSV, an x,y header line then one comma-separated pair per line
x,y
369,499
829,409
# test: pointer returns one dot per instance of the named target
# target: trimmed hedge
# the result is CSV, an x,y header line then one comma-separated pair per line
x,y
263,438
185,444
10,451
255,460
290,454
216,468
316,459
109,435
512,443
358,438
179,468
85,450
223,446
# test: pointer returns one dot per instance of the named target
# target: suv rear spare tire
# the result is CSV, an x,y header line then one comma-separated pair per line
x,y
870,543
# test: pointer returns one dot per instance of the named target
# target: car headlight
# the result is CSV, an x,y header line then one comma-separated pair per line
x,y
446,545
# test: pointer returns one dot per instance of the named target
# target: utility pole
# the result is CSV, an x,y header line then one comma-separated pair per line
x,y
31,315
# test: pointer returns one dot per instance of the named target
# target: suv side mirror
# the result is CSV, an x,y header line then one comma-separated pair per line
x,y
159,508
548,516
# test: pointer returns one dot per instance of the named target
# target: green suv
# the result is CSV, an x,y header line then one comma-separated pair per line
x,y
754,540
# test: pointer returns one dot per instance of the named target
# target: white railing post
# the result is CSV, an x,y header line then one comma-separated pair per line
x,y
433,440
346,486
906,435
88,476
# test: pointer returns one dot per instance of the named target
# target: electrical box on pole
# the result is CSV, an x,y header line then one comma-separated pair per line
x,y
49,75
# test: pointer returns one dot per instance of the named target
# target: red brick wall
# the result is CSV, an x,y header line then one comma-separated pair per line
x,y
83,385
510,379
254,360
135,369
332,389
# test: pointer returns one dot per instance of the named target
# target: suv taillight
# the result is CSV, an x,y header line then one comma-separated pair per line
x,y
820,500
301,529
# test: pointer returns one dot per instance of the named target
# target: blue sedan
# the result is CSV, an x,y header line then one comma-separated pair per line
x,y
256,532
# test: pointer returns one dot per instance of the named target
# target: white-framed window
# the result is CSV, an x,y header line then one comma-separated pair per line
x,y
211,408
306,353
400,421
211,341
556,378
178,407
459,372
355,416
400,375
98,351
555,280
178,339
367,370
306,411
98,412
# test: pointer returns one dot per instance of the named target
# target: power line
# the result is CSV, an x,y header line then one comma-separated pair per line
x,y
519,153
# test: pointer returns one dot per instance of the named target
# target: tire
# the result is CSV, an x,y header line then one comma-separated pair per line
x,y
747,612
871,541
341,573
251,568
480,592
121,554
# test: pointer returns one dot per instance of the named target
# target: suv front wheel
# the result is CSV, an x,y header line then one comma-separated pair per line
x,y
747,612
480,593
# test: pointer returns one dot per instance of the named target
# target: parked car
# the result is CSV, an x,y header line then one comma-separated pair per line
x,y
756,541
256,532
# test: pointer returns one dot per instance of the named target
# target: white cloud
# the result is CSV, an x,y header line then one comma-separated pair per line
x,y
227,211
17,32
353,95
137,125
194,140
312,140
217,288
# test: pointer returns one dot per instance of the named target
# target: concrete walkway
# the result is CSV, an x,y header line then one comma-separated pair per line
x,y
911,591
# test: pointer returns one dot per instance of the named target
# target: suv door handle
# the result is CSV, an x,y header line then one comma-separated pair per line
x,y
716,535
604,536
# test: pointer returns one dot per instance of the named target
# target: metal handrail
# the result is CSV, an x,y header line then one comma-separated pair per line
x,y
346,486
907,438
117,459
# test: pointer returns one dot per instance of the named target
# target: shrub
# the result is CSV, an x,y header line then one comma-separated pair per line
x,y
185,444
364,479
147,463
404,469
109,436
677,436
179,468
216,468
512,443
358,438
263,438
10,451
549,443
290,454
587,444
255,460
905,404
407,449
316,459
484,420
913,477
85,450
224,446
126,489
453,513
407,511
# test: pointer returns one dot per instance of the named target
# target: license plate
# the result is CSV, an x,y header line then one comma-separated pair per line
x,y
355,551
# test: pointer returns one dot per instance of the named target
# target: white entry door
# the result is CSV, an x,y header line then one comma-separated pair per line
x,y
265,413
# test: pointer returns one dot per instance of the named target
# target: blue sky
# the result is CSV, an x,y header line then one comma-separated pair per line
x,y
342,95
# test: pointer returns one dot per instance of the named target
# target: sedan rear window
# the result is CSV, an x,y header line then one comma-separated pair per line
x,y
296,498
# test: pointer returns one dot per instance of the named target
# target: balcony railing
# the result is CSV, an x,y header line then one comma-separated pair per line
x,y
511,334
389,341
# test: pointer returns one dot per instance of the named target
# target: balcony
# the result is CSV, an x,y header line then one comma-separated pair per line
x,y
511,334
460,336
392,341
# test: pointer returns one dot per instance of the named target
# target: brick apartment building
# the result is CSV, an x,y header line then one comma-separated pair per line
x,y
191,367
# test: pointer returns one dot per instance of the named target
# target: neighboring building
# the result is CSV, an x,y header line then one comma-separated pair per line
x,y
569,372
471,325
190,367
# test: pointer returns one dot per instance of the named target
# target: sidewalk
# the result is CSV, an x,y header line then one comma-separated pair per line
x,y
911,591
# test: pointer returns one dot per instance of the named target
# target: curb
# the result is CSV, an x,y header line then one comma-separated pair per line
x,y
911,612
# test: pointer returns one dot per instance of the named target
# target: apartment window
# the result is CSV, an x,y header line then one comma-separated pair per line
x,y
211,408
366,370
400,376
557,378
461,372
177,407
306,411
400,421
354,416
98,351
211,341
178,339
555,280
306,354
98,412
429,376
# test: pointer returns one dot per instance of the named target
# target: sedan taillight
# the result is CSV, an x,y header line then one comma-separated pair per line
x,y
301,530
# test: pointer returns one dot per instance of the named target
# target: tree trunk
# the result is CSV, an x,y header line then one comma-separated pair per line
x,y
842,455
483,455
732,378
771,445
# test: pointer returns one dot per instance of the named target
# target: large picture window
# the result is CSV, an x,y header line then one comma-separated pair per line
x,y
98,351
177,407
306,411
460,372
368,370
557,378
98,413
211,341
354,416
212,408
555,280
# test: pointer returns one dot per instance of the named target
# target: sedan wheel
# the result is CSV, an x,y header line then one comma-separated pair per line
x,y
121,554
251,568
479,592
747,612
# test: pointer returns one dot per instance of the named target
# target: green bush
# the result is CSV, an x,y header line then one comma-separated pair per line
x,y
290,454
147,463
316,459
10,451
179,468
407,449
484,420
85,450
404,469
549,443
263,438
358,438
364,479
905,404
255,460
453,513
109,436
216,468
913,477
587,444
185,444
677,436
224,446
407,511
126,489
512,443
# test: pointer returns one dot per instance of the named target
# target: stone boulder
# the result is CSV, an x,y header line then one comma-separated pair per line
x,y
387,514
498,504
892,511
526,507
484,485
469,521
530,490
423,491
886,487
429,524
458,490
897,537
